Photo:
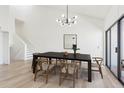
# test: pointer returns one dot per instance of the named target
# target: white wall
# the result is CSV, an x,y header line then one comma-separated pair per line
x,y
1,47
11,24
18,49
42,30
7,25
115,12
7,21
4,12
6,50
4,47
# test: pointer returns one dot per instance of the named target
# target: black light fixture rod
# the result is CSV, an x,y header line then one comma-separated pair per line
x,y
67,13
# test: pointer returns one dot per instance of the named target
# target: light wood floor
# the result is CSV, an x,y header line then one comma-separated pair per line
x,y
19,75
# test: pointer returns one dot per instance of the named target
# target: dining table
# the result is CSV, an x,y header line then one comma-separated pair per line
x,y
61,55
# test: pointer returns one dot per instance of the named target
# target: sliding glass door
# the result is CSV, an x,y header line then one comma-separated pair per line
x,y
122,50
114,49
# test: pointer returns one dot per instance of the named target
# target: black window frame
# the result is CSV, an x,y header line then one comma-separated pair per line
x,y
118,22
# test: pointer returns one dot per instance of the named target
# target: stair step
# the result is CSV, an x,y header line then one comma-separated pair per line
x,y
29,53
30,49
28,58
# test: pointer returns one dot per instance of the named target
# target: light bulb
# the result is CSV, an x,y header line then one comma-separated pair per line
x,y
63,16
60,21
62,24
57,20
75,17
75,22
69,25
69,20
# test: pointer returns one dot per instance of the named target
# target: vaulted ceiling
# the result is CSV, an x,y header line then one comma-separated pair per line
x,y
97,11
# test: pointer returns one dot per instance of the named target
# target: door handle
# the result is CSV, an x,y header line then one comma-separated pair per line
x,y
116,49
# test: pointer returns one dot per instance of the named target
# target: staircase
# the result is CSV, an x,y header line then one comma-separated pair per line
x,y
22,49
29,53
30,49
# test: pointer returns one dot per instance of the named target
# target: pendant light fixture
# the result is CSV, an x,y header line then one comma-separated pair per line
x,y
65,20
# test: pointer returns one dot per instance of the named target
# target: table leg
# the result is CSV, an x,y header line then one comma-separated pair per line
x,y
89,72
34,63
50,61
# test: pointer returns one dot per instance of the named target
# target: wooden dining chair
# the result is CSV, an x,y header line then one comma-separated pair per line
x,y
97,65
44,67
78,63
68,71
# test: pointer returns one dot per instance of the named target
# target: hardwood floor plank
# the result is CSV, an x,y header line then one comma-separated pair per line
x,y
19,75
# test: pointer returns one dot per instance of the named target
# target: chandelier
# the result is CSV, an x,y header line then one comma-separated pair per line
x,y
65,20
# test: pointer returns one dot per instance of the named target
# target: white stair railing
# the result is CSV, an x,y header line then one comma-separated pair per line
x,y
19,48
30,49
23,48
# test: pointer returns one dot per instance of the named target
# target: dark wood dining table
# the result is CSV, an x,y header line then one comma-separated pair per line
x,y
61,55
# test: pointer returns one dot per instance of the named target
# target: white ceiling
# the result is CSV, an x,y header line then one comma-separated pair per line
x,y
97,11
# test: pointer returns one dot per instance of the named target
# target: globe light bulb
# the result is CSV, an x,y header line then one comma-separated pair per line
x,y
75,22
63,15
57,20
69,20
75,17
69,25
